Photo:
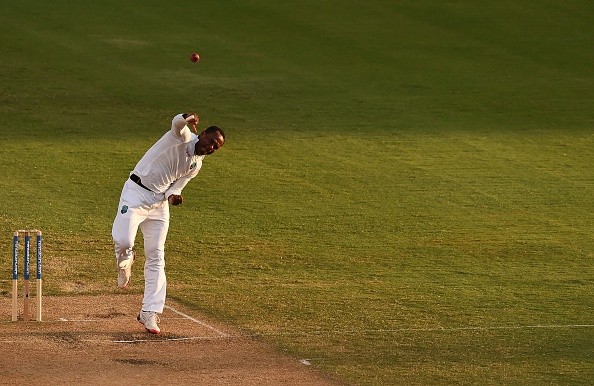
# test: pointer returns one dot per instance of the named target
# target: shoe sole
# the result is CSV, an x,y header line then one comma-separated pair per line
x,y
124,286
156,332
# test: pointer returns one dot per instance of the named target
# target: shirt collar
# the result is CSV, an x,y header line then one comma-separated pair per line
x,y
191,146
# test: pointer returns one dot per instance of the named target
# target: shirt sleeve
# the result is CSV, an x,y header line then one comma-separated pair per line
x,y
179,127
177,187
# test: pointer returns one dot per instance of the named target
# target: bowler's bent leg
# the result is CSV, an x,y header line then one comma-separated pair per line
x,y
125,227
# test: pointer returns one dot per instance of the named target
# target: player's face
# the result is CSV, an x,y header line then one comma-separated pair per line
x,y
209,143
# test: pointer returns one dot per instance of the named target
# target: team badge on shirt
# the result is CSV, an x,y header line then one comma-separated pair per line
x,y
124,209
193,165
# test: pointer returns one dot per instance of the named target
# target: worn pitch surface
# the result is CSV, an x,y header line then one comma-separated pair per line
x,y
96,340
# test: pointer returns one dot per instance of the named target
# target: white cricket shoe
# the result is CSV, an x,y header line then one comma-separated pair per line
x,y
125,270
150,319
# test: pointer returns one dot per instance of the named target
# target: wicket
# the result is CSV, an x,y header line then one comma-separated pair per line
x,y
15,274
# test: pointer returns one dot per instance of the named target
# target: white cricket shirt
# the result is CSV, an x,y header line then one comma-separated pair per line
x,y
170,163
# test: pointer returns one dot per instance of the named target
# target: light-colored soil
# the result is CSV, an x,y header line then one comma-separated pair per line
x,y
95,340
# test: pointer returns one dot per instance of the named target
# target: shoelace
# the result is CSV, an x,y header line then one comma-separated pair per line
x,y
153,318
131,260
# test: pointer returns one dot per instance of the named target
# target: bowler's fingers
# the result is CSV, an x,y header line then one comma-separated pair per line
x,y
193,120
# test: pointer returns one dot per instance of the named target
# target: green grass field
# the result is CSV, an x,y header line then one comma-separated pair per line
x,y
406,192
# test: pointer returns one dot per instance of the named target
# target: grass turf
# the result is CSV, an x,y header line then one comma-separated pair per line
x,y
405,195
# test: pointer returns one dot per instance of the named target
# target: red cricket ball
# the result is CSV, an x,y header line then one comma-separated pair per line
x,y
195,57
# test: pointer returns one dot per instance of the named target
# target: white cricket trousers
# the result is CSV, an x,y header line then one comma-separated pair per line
x,y
149,211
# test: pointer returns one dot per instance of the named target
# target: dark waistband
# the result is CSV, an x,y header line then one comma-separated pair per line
x,y
136,179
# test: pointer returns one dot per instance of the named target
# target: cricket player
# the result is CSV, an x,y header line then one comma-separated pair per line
x,y
157,181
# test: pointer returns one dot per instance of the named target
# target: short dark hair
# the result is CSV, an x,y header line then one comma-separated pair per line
x,y
213,129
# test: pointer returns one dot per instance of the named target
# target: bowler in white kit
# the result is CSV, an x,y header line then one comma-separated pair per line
x,y
157,181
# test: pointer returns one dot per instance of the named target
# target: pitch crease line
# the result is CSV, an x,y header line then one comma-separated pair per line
x,y
158,340
222,334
